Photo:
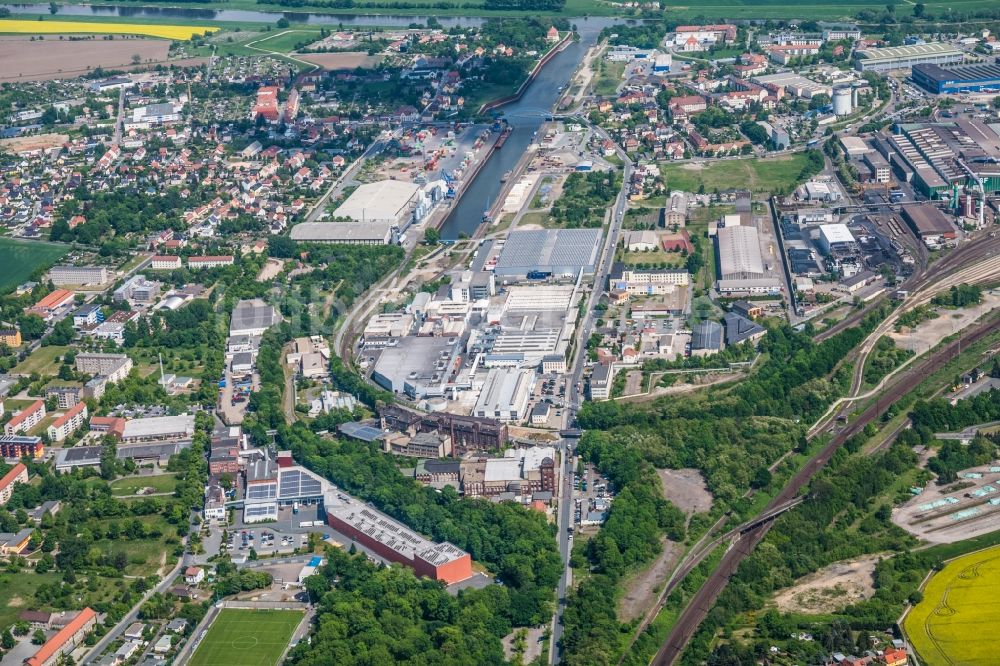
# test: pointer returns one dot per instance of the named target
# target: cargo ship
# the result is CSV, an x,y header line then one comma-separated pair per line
x,y
503,137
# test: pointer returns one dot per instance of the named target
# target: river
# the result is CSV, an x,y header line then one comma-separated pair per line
x,y
238,15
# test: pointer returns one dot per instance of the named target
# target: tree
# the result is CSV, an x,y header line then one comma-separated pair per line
x,y
7,640
919,10
136,58
53,8
38,638
282,23
281,247
32,326
432,236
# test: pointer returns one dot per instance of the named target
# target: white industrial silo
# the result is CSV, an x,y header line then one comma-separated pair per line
x,y
842,101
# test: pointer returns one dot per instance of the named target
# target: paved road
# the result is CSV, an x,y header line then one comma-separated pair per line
x,y
119,629
573,397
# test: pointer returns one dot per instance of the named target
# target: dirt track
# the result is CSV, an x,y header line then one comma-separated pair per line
x,y
831,588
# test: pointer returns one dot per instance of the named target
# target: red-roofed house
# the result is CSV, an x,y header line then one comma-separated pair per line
x,y
210,261
68,423
894,657
65,641
45,307
111,425
26,419
267,104
552,35
17,474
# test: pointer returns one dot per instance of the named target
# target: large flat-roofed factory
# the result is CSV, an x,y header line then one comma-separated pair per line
x,y
553,251
273,482
476,346
957,79
904,57
742,268
374,214
940,159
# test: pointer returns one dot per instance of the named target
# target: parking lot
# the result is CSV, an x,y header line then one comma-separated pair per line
x,y
550,389
591,498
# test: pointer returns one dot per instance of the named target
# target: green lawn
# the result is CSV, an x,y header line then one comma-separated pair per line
x,y
609,78
148,555
758,175
22,258
286,41
246,637
43,361
127,487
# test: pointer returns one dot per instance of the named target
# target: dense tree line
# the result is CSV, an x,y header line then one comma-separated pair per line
x,y
732,436
960,296
643,36
885,358
512,542
939,415
846,516
953,457
631,537
116,213
585,198
368,614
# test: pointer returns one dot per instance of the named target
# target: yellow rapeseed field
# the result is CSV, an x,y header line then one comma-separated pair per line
x,y
176,32
951,626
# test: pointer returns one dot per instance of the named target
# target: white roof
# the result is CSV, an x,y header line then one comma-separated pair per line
x,y
384,201
158,426
836,233
532,456
739,252
371,231
502,469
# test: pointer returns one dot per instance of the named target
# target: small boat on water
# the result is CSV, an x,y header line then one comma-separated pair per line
x,y
503,137
504,178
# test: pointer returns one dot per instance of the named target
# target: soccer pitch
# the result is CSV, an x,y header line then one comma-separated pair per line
x,y
958,611
250,637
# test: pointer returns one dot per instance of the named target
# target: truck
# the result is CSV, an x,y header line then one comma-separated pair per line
x,y
306,523
295,507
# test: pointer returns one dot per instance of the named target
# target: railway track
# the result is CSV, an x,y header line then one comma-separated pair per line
x,y
975,250
702,602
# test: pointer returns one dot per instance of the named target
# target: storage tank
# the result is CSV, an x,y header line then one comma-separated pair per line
x,y
842,101
436,404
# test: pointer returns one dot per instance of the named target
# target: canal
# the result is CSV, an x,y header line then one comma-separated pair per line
x,y
525,116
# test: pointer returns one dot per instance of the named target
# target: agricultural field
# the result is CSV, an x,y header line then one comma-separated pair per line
x,y
174,32
24,59
22,258
758,175
248,637
958,609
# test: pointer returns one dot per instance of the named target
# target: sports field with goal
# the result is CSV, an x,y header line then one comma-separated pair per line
x,y
958,611
246,637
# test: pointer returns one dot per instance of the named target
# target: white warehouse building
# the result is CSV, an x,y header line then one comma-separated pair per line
x,y
834,238
505,394
387,201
